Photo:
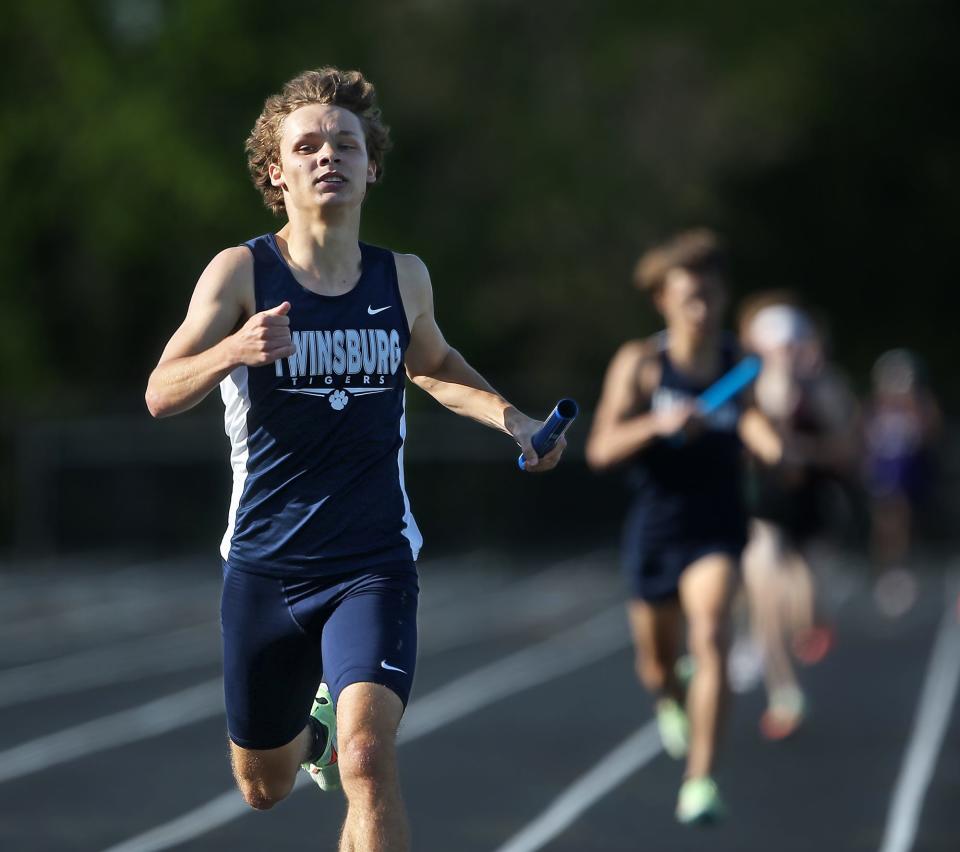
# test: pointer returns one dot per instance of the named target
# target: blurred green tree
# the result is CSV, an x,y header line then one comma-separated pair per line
x,y
539,148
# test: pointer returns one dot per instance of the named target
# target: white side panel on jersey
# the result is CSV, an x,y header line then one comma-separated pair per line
x,y
236,403
410,529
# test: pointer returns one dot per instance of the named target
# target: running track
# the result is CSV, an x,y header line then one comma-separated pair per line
x,y
525,732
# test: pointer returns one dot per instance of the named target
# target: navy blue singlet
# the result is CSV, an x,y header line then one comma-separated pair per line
x,y
693,491
317,438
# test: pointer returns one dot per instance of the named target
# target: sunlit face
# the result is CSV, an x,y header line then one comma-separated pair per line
x,y
692,303
323,159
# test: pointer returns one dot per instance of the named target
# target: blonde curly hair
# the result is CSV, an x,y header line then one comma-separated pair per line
x,y
347,89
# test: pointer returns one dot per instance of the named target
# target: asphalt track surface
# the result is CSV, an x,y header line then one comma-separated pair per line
x,y
525,731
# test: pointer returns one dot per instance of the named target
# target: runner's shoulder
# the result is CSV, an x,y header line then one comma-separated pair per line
x,y
639,359
413,279
641,349
231,265
228,276
411,269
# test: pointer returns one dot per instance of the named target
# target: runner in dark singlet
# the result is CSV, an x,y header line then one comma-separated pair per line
x,y
687,523
311,335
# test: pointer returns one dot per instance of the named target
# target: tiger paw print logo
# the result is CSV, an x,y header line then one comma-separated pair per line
x,y
339,400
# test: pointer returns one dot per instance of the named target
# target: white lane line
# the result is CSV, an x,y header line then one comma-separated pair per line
x,y
566,652
80,596
76,598
118,620
633,753
548,594
545,595
134,604
31,590
598,637
148,720
929,727
205,700
189,648
218,811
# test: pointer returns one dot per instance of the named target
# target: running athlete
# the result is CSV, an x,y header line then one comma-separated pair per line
x,y
308,332
815,417
902,426
687,523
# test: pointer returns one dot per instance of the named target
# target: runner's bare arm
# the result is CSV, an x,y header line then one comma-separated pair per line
x,y
618,431
211,340
444,373
759,436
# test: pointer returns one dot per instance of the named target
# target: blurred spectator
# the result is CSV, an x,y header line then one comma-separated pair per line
x,y
902,426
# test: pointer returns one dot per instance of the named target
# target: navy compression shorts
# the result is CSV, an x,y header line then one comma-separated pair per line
x,y
281,637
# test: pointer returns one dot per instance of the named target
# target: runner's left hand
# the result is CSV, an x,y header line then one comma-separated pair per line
x,y
523,433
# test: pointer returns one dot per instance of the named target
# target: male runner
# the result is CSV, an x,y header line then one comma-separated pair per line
x,y
308,331
687,524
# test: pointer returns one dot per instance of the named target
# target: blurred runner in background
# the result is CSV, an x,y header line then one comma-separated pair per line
x,y
815,414
902,426
687,524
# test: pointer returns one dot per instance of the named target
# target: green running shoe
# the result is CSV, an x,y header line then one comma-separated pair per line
x,y
325,770
674,728
699,802
684,669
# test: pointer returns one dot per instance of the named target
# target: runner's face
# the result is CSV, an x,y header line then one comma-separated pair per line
x,y
323,159
693,303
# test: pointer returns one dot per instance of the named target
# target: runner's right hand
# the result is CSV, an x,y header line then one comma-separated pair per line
x,y
264,338
681,417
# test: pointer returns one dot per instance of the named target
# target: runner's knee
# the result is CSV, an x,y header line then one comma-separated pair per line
x,y
263,793
366,758
708,638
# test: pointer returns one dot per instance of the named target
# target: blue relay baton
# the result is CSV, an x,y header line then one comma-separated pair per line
x,y
546,437
724,389
729,385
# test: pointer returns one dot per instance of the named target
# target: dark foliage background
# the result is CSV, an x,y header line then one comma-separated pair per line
x,y
539,148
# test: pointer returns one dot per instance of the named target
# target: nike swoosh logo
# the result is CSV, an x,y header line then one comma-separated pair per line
x,y
372,310
385,665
